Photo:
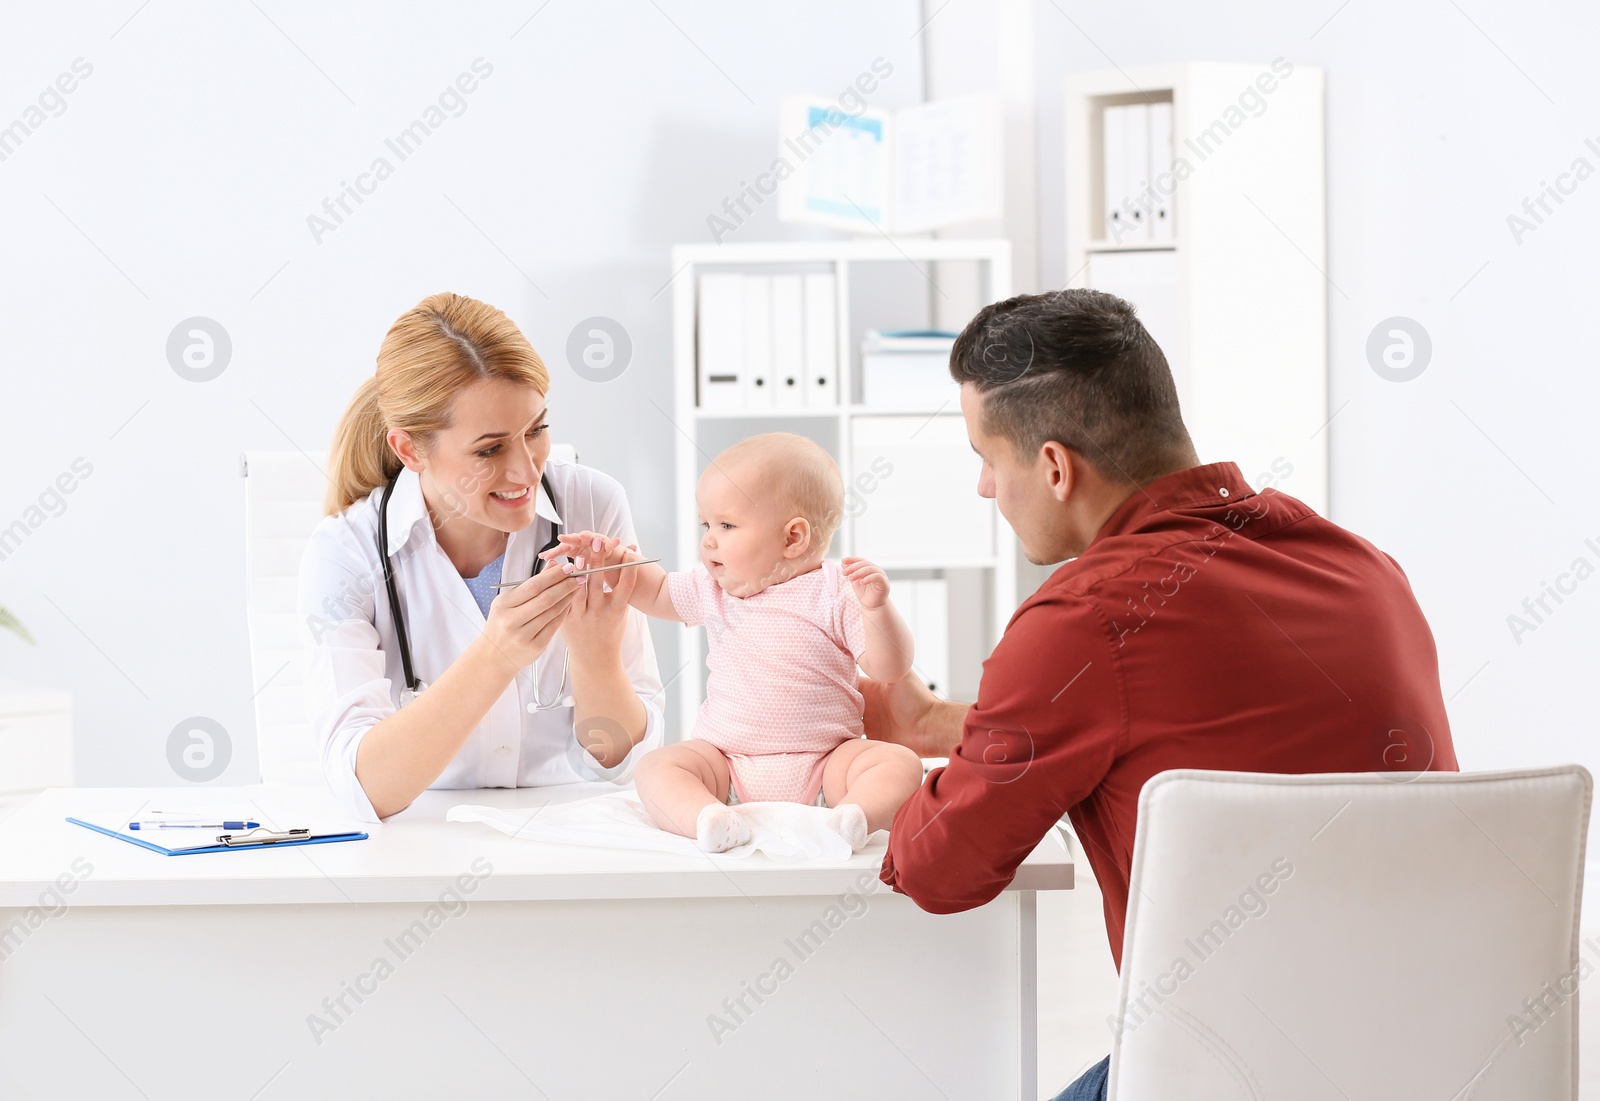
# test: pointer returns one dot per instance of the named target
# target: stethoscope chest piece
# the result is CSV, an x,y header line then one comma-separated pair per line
x,y
563,696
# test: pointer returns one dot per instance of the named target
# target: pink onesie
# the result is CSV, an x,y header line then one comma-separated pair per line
x,y
780,677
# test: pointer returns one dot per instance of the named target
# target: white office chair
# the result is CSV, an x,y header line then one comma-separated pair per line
x,y
1350,935
283,503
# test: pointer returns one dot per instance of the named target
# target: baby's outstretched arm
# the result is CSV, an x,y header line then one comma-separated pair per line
x,y
649,594
889,645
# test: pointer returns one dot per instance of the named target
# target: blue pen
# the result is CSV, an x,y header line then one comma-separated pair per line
x,y
162,824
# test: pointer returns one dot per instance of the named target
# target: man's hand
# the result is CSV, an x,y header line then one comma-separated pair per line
x,y
907,713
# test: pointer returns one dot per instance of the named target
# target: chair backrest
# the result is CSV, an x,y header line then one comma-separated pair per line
x,y
283,503
1355,935
283,493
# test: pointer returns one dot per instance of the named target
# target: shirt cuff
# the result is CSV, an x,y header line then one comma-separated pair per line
x,y
346,788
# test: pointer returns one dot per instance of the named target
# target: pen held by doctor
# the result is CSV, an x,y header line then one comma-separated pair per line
x,y
584,572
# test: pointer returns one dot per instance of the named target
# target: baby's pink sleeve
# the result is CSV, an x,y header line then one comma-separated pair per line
x,y
852,628
690,592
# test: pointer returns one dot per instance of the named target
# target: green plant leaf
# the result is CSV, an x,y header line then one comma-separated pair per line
x,y
12,623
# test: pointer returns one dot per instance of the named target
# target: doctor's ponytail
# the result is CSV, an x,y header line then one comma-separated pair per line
x,y
362,458
446,343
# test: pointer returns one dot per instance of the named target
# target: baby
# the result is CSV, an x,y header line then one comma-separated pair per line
x,y
785,630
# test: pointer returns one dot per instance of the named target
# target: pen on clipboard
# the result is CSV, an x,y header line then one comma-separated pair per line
x,y
264,837
171,824
584,573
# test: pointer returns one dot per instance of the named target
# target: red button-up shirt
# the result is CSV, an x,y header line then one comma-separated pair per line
x,y
1206,626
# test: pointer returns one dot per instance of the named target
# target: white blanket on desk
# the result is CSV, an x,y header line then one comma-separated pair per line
x,y
788,832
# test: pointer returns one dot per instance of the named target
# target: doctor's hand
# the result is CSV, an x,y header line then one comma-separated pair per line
x,y
596,618
523,620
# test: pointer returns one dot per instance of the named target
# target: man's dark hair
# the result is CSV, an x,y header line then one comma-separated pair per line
x,y
1077,367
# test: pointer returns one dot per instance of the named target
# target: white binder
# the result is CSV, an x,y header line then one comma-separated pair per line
x,y
1161,170
821,341
758,341
1113,167
1136,171
788,341
924,605
721,341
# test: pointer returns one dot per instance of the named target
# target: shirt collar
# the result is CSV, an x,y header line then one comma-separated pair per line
x,y
543,505
407,508
1199,486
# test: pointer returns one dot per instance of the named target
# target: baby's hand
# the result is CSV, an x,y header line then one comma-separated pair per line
x,y
870,582
588,545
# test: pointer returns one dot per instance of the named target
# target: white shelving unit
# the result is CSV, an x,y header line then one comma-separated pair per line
x,y
1246,330
847,260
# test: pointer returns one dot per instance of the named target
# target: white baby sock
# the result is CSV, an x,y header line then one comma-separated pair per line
x,y
850,822
720,828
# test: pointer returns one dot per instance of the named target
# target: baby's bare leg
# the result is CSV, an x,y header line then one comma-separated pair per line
x,y
875,776
676,784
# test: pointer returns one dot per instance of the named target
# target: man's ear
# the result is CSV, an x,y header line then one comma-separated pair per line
x,y
1060,468
401,444
797,538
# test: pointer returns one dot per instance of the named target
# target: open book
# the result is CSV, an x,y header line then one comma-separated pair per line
x,y
922,168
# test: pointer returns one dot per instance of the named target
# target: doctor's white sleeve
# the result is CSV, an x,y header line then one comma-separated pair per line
x,y
347,690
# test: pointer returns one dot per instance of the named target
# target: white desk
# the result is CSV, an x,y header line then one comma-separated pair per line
x,y
567,973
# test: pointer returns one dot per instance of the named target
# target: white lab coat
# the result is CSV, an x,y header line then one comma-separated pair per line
x,y
354,674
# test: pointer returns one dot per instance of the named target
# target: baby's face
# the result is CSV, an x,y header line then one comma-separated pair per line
x,y
741,530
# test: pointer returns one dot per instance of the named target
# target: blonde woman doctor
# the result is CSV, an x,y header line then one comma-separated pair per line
x,y
441,470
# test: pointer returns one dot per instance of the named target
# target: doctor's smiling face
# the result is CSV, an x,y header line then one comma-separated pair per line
x,y
483,469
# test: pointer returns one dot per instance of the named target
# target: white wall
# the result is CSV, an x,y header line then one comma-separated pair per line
x,y
192,155
178,182
1478,476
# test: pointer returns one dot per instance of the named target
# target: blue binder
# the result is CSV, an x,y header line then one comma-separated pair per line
x,y
230,842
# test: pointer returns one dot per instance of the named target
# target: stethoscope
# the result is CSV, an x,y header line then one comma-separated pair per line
x,y
414,686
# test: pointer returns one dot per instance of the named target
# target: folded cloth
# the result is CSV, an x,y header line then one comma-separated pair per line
x,y
786,832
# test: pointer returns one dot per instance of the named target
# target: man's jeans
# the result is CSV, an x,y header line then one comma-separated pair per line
x,y
1091,1087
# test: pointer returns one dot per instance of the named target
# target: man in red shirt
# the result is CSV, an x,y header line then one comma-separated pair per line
x,y
1197,624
